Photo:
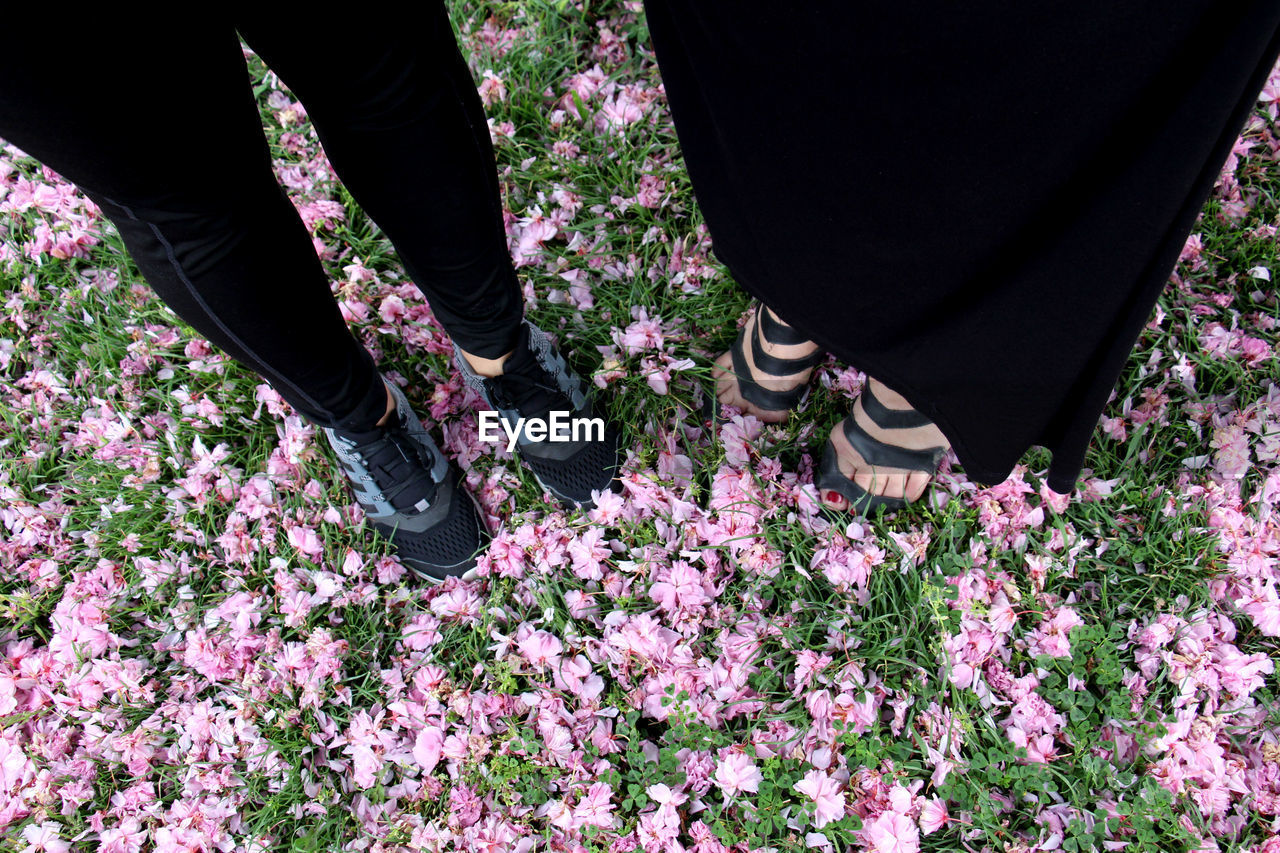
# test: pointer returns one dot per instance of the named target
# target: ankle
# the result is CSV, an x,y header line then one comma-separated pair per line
x,y
391,406
486,367
791,345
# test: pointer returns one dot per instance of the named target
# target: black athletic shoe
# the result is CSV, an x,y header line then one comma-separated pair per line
x,y
570,462
413,496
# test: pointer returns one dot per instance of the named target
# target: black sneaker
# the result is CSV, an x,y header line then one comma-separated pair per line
x,y
413,496
535,383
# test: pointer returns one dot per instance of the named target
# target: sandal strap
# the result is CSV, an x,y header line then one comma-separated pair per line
x,y
860,500
886,418
879,454
753,392
773,331
777,365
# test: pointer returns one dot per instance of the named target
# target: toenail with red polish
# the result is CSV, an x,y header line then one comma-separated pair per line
x,y
831,497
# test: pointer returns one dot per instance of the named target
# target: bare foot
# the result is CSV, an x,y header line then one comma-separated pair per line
x,y
907,484
728,390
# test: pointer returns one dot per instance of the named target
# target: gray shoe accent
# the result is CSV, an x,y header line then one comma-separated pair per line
x,y
369,496
570,383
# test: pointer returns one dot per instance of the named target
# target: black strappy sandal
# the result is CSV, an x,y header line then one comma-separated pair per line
x,y
779,335
876,453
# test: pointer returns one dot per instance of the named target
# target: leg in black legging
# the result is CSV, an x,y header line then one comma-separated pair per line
x,y
397,112
166,138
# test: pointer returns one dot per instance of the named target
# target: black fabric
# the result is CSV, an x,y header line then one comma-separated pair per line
x,y
977,204
160,128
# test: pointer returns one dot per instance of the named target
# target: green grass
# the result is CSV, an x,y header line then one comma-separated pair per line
x,y
1159,556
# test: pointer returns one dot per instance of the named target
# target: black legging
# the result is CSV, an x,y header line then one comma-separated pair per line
x,y
164,135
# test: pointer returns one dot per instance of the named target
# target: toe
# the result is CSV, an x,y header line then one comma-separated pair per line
x,y
917,482
865,477
833,500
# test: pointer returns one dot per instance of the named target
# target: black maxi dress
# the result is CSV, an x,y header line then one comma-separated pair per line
x,y
976,203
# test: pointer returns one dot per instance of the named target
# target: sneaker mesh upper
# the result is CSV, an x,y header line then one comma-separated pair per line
x,y
448,543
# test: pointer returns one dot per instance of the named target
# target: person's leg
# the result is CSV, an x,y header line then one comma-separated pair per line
x,y
402,123
168,143
172,150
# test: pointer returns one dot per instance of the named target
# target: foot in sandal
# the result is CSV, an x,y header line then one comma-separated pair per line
x,y
766,371
883,454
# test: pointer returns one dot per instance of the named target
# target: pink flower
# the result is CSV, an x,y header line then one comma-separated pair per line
x,y
1115,428
392,309
531,232
15,768
306,541
428,748
366,765
128,837
609,507
1052,638
664,796
1191,252
539,647
737,436
459,601
1254,350
500,130
44,839
933,816
583,85
736,772
826,794
620,111
565,148
892,833
1232,458
492,88
1263,606
295,608
645,333
594,808
650,191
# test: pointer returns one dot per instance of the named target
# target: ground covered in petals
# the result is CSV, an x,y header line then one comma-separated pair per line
x,y
201,651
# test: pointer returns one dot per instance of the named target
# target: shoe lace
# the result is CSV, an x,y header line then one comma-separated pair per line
x,y
401,468
531,395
